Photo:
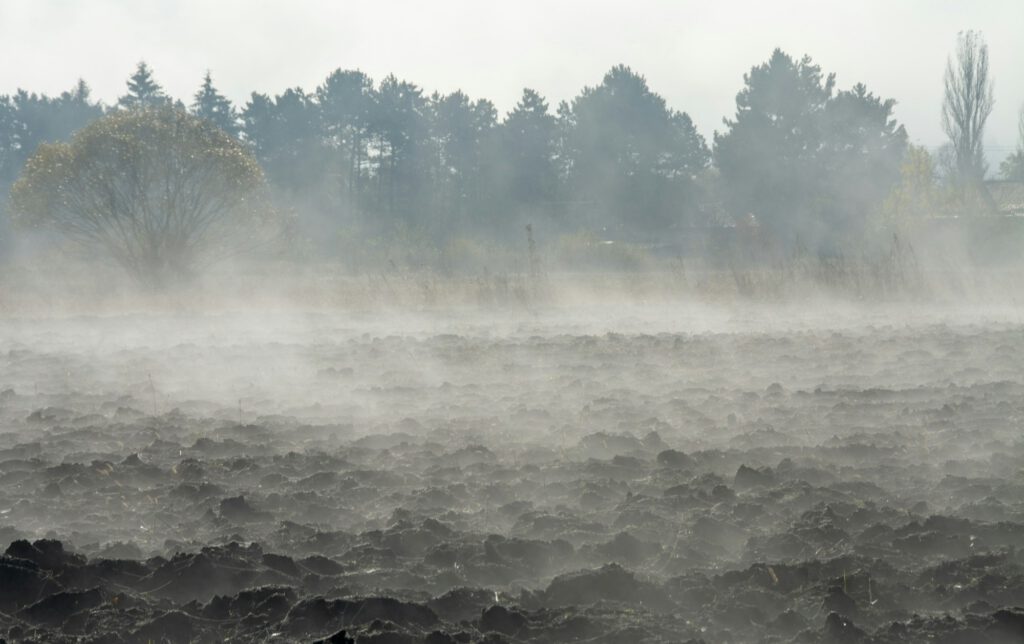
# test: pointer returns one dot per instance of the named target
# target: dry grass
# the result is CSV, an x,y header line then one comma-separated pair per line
x,y
889,273
528,277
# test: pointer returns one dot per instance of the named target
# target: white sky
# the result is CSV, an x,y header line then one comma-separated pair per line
x,y
693,53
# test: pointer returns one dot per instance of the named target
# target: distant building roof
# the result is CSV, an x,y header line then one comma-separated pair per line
x,y
1008,196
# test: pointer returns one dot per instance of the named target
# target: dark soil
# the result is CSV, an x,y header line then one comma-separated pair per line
x,y
542,481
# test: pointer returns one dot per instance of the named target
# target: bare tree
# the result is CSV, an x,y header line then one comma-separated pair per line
x,y
966,105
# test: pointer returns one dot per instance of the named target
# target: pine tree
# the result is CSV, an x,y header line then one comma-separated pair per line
x,y
143,90
213,106
528,145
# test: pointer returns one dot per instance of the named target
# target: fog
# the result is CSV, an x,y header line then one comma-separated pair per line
x,y
357,342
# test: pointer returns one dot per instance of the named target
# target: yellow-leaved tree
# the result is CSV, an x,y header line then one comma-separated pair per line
x,y
918,194
161,192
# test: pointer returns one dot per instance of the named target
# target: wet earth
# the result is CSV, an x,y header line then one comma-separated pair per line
x,y
726,477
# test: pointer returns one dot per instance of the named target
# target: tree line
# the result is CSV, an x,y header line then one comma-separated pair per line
x,y
799,158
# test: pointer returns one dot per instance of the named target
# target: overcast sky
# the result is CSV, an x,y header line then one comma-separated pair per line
x,y
692,53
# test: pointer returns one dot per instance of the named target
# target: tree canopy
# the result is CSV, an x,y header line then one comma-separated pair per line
x,y
528,168
213,106
161,192
143,90
1013,167
804,160
628,156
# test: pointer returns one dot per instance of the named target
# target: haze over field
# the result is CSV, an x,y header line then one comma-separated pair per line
x,y
425,323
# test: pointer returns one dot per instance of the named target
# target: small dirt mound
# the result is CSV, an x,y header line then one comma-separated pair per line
x,y
21,581
748,477
840,630
1008,624
461,604
502,620
626,548
319,614
341,637
53,610
239,510
610,582
674,458
173,626
47,553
